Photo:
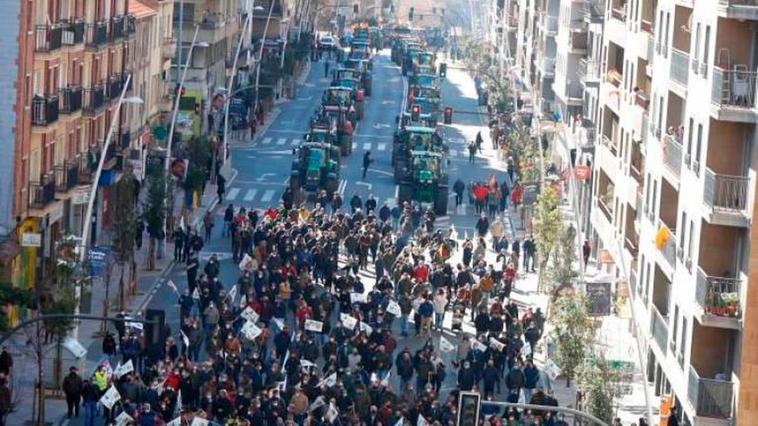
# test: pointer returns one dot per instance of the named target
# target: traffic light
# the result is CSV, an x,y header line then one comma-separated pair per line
x,y
410,14
443,70
448,115
415,113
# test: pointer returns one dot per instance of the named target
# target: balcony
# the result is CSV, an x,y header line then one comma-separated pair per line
x,y
608,143
44,110
212,21
719,298
659,329
618,13
124,141
727,198
114,87
680,63
42,192
710,397
578,42
94,99
86,169
738,9
607,212
547,66
73,33
672,155
96,35
67,175
641,99
614,77
117,28
130,26
574,93
589,71
668,250
647,26
549,25
71,99
48,38
733,93
168,48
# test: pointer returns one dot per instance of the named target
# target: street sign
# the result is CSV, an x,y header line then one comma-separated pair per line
x,y
98,256
31,239
599,295
468,408
582,173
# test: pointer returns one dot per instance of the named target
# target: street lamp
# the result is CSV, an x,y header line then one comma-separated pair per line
x,y
86,228
248,25
260,56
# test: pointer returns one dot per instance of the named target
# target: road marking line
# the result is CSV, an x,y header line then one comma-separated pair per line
x,y
266,140
267,196
281,141
381,147
295,141
232,194
367,146
355,144
250,194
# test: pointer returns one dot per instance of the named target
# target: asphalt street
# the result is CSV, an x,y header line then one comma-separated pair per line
x,y
264,169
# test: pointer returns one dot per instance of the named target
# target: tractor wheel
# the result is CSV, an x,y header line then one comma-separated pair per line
x,y
404,193
440,202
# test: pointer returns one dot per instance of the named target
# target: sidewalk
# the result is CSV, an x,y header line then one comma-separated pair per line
x,y
89,334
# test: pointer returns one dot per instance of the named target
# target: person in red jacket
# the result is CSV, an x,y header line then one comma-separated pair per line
x,y
421,273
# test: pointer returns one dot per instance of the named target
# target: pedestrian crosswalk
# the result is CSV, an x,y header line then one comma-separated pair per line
x,y
365,145
252,195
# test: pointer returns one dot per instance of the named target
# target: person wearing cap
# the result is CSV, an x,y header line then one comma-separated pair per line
x,y
72,387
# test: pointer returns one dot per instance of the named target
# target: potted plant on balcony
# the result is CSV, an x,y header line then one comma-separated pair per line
x,y
715,303
732,303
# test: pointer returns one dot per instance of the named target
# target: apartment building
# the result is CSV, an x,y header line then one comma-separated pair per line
x,y
674,179
426,13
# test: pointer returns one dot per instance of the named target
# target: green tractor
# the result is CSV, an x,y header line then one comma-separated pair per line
x,y
425,180
413,139
316,167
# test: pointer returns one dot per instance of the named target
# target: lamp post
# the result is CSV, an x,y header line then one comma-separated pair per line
x,y
260,56
87,225
248,25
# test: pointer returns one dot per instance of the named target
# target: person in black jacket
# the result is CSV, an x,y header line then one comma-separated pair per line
x,y
466,377
90,396
72,387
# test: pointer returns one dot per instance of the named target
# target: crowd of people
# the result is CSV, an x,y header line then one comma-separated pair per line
x,y
308,336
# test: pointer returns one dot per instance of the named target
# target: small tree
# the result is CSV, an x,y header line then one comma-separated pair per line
x,y
599,385
563,271
547,228
125,223
572,333
198,154
155,209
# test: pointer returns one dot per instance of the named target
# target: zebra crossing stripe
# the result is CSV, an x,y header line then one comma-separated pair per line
x,y
267,196
355,145
281,141
295,141
250,194
266,140
381,147
232,194
367,146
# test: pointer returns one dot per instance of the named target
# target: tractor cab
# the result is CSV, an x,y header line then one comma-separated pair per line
x,y
337,96
424,178
316,166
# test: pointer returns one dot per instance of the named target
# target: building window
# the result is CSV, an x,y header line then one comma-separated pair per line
x,y
706,49
698,148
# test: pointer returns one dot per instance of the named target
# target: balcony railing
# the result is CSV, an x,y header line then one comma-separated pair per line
x,y
117,28
605,209
131,24
124,140
659,329
710,397
672,154
94,99
547,65
610,145
734,88
73,33
631,245
635,170
575,91
680,62
214,20
42,192
718,296
71,99
67,175
550,24
114,87
48,38
642,99
589,71
44,110
726,192
614,77
647,26
742,3
86,169
96,34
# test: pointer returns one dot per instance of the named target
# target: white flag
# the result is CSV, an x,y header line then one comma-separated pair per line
x,y
348,321
123,369
110,397
393,308
329,381
315,326
422,421
197,421
357,298
250,330
331,413
318,403
176,422
250,314
496,344
306,364
195,294
246,263
367,328
185,339
445,345
173,286
179,402
232,294
123,419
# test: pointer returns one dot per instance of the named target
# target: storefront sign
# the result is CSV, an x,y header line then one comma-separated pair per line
x,y
599,296
582,173
31,239
98,257
81,195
